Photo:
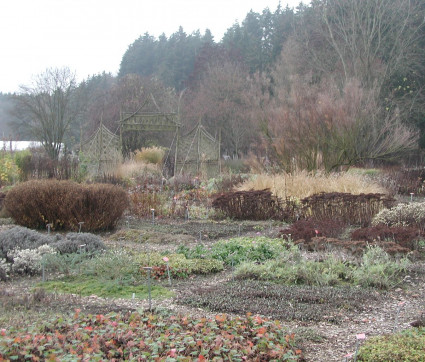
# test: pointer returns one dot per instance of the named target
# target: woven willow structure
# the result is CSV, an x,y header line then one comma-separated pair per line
x,y
102,151
198,153
195,153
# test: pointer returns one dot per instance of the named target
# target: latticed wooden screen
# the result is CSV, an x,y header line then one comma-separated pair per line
x,y
198,153
102,151
195,153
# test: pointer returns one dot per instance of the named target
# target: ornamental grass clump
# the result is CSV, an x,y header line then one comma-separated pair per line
x,y
303,184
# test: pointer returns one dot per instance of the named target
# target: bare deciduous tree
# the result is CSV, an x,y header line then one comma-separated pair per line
x,y
45,110
318,126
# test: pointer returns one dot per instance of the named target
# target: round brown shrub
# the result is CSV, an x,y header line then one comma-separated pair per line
x,y
64,204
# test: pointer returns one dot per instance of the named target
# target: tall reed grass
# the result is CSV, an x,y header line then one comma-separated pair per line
x,y
302,184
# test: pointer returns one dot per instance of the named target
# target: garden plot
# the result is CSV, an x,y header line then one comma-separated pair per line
x,y
320,305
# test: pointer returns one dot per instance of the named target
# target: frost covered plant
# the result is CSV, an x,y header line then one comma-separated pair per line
x,y
4,269
27,261
19,237
412,214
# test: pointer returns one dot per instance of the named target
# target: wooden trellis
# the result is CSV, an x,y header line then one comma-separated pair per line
x,y
151,121
191,153
198,152
102,151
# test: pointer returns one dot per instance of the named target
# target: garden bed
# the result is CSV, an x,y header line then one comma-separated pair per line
x,y
324,320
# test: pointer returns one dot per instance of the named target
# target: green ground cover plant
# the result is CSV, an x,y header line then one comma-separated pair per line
x,y
150,336
234,251
406,346
375,269
85,286
179,266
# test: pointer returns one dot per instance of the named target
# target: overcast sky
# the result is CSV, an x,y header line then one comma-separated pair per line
x,y
91,36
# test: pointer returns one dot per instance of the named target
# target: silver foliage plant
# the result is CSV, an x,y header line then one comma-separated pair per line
x,y
412,214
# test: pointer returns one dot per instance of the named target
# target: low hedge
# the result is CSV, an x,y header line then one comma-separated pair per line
x,y
64,204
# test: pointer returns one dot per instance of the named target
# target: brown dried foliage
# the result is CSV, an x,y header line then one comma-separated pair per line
x,y
349,208
356,247
306,229
64,204
254,205
405,236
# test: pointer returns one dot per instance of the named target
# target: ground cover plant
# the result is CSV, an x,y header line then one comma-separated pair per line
x,y
150,336
283,302
83,285
353,247
374,269
407,345
406,236
177,265
24,251
112,274
306,229
233,251
209,229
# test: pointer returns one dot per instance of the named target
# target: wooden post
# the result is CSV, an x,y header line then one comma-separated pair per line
x,y
219,150
177,150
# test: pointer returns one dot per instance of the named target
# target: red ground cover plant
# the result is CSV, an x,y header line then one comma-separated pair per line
x,y
134,336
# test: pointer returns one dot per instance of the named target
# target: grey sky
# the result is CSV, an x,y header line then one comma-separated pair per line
x,y
91,36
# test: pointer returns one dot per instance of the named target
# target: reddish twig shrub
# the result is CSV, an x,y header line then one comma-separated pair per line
x,y
142,202
352,209
65,203
402,235
306,229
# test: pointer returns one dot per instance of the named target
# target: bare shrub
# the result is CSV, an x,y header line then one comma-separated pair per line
x,y
64,204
